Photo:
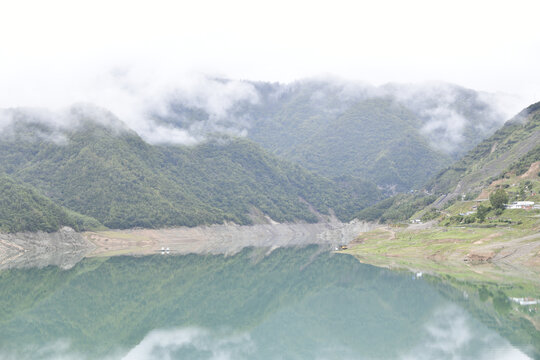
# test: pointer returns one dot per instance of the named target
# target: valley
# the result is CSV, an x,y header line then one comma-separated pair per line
x,y
124,196
296,180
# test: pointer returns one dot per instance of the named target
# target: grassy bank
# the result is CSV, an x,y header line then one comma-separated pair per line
x,y
505,252
470,239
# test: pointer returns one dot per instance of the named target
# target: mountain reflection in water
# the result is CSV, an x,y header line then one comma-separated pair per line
x,y
294,303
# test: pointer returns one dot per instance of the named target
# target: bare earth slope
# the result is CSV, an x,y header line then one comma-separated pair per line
x,y
66,247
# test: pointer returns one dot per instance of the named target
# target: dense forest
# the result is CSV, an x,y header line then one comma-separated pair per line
x,y
373,139
313,149
396,136
396,208
24,209
112,175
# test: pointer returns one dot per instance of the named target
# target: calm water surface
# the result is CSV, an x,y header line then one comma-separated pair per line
x,y
301,303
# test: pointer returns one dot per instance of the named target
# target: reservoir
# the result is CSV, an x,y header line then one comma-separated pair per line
x,y
286,303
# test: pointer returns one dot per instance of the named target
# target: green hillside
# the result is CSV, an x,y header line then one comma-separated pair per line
x,y
350,148
374,139
24,209
396,136
517,141
510,150
392,151
112,175
523,164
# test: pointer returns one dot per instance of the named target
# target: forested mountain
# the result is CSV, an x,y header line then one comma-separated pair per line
x,y
24,209
397,136
101,169
333,146
373,139
511,149
517,142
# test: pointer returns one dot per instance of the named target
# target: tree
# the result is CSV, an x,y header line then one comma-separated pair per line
x,y
481,212
498,199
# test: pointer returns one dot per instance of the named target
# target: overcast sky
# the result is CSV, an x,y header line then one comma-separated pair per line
x,y
49,48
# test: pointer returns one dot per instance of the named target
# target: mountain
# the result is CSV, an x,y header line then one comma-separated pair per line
x,y
99,168
24,209
512,150
396,136
373,139
313,148
515,145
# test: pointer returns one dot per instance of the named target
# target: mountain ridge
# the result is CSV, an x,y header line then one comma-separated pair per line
x,y
512,148
122,181
492,157
304,121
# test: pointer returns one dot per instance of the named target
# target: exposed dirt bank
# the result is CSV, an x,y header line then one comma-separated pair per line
x,y
66,247
63,248
222,239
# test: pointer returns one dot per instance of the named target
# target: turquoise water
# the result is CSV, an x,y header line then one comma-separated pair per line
x,y
302,303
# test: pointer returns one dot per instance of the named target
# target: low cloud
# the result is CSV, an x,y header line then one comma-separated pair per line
x,y
57,350
166,106
449,113
140,97
449,116
52,125
444,128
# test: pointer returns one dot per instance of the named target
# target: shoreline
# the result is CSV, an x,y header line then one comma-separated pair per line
x,y
483,254
66,247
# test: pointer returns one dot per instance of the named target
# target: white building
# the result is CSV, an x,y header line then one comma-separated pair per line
x,y
520,205
525,301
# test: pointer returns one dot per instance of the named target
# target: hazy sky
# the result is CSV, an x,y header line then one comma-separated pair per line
x,y
51,48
